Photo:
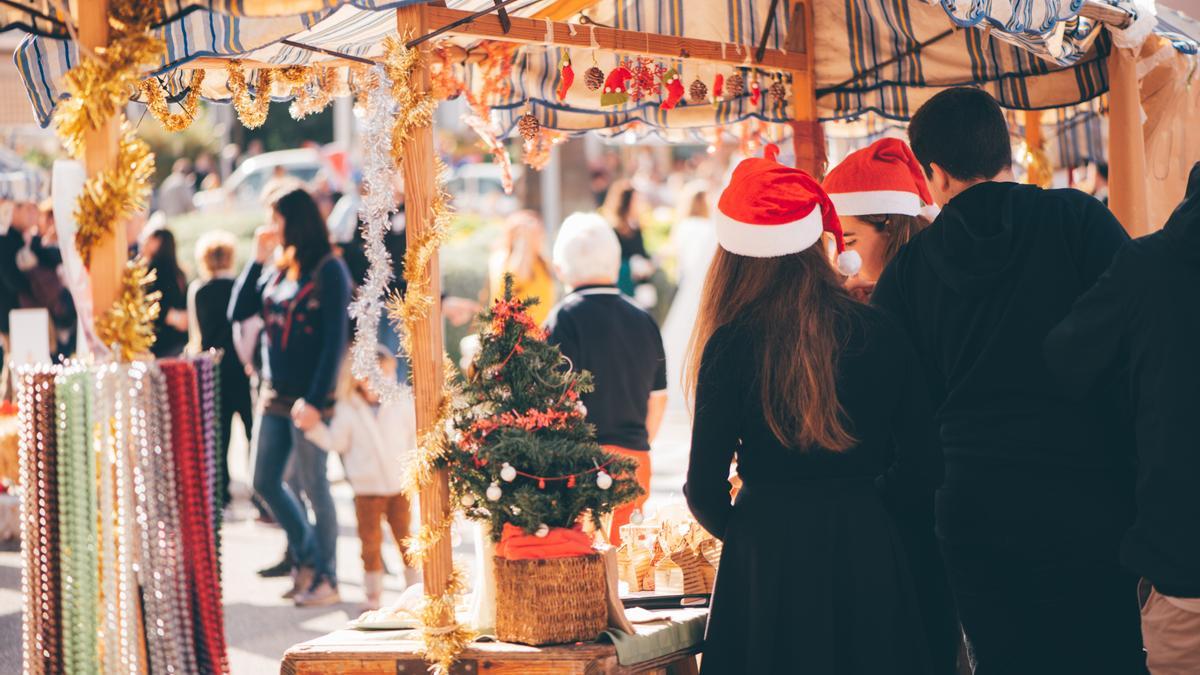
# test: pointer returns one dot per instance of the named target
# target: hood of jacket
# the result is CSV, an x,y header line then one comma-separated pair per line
x,y
1183,227
973,244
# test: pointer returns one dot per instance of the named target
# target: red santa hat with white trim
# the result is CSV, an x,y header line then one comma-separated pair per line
x,y
770,210
880,179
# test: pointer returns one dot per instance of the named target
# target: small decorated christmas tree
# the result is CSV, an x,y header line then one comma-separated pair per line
x,y
522,453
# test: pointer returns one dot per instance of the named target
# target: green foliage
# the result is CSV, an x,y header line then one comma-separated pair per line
x,y
202,136
521,408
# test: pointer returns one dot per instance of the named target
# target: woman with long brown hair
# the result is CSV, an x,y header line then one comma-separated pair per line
x,y
820,399
623,210
883,201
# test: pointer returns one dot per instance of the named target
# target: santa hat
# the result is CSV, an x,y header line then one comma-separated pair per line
x,y
770,210
882,178
615,91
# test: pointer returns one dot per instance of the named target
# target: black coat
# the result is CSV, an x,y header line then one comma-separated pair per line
x,y
1140,325
814,577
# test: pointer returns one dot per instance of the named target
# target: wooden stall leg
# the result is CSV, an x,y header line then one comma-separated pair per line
x,y
1127,195
808,138
100,153
418,166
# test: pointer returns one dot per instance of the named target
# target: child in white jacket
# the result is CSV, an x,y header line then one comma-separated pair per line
x,y
374,439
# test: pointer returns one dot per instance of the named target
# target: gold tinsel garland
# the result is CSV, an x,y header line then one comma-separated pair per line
x,y
252,112
99,87
156,101
113,195
314,94
414,106
128,326
442,642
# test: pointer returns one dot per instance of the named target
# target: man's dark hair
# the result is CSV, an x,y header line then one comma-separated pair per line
x,y
963,131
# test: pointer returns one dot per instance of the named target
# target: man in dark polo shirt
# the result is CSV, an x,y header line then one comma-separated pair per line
x,y
603,332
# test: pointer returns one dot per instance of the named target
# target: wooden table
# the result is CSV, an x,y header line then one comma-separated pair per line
x,y
351,652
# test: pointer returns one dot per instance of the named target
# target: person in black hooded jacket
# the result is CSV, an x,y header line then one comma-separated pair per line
x,y
1140,325
1038,485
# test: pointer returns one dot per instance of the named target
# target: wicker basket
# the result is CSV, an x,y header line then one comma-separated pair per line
x,y
553,601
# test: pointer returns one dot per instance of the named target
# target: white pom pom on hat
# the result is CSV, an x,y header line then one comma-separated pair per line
x,y
770,210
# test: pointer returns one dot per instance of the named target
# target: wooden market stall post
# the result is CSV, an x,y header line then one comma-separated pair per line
x,y
419,168
1127,194
100,154
808,138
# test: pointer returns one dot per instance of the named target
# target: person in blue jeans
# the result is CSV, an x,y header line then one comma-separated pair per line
x,y
302,297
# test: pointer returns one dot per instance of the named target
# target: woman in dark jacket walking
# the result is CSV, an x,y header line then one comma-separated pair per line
x,y
303,300
819,396
171,326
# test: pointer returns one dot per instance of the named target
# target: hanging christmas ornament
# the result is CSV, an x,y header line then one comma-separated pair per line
x,y
507,473
755,92
736,85
581,408
566,75
542,530
468,500
615,87
636,517
570,482
603,480
494,493
529,126
646,77
594,78
698,91
674,89
778,91
516,510
717,88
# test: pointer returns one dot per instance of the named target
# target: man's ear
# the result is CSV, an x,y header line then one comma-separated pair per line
x,y
938,177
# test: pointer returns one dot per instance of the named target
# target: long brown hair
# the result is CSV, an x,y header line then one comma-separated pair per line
x,y
618,207
898,229
799,306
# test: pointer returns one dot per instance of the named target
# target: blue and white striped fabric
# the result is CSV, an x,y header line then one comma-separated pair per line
x,y
872,56
41,17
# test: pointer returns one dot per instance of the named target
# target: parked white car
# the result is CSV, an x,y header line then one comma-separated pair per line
x,y
478,188
244,186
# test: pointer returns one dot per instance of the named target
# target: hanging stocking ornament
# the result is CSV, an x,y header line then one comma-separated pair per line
x,y
529,126
698,91
594,78
615,87
674,89
566,75
718,86
736,85
778,91
755,92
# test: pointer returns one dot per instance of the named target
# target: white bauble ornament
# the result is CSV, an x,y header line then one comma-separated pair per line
x,y
507,473
603,480
542,530
516,510
468,501
494,492
581,408
636,517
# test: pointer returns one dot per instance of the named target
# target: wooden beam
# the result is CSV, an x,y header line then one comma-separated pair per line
x,y
1127,193
808,138
418,166
533,31
100,154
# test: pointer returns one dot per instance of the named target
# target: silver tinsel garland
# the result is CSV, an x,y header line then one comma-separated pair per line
x,y
378,204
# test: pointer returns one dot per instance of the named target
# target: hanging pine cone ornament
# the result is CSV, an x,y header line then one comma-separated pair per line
x,y
778,91
529,126
735,85
698,92
593,78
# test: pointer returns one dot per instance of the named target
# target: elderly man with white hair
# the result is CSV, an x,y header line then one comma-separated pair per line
x,y
604,332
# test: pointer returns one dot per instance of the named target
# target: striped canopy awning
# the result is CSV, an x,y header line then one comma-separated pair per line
x,y
881,56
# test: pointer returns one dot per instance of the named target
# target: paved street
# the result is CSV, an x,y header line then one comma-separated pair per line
x,y
259,625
